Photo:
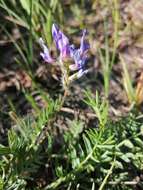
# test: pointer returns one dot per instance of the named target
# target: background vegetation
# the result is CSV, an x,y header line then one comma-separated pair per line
x,y
92,137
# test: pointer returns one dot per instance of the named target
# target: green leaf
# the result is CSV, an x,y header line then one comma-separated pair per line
x,y
59,171
118,165
90,168
105,154
141,129
139,142
128,144
75,162
4,150
127,81
73,156
87,144
107,159
94,159
1,183
125,158
26,5
76,128
130,155
106,147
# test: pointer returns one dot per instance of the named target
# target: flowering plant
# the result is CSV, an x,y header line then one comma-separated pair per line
x,y
70,58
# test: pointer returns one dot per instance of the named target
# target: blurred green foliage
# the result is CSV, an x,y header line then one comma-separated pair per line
x,y
81,158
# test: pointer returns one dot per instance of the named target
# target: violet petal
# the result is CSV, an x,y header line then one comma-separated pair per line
x,y
45,54
61,41
82,72
84,46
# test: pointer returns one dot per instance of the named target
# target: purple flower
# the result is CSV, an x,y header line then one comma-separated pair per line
x,y
79,56
61,41
45,54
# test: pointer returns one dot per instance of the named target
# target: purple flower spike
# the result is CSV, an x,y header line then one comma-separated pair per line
x,y
45,54
61,42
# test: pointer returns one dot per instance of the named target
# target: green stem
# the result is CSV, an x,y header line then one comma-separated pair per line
x,y
107,176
